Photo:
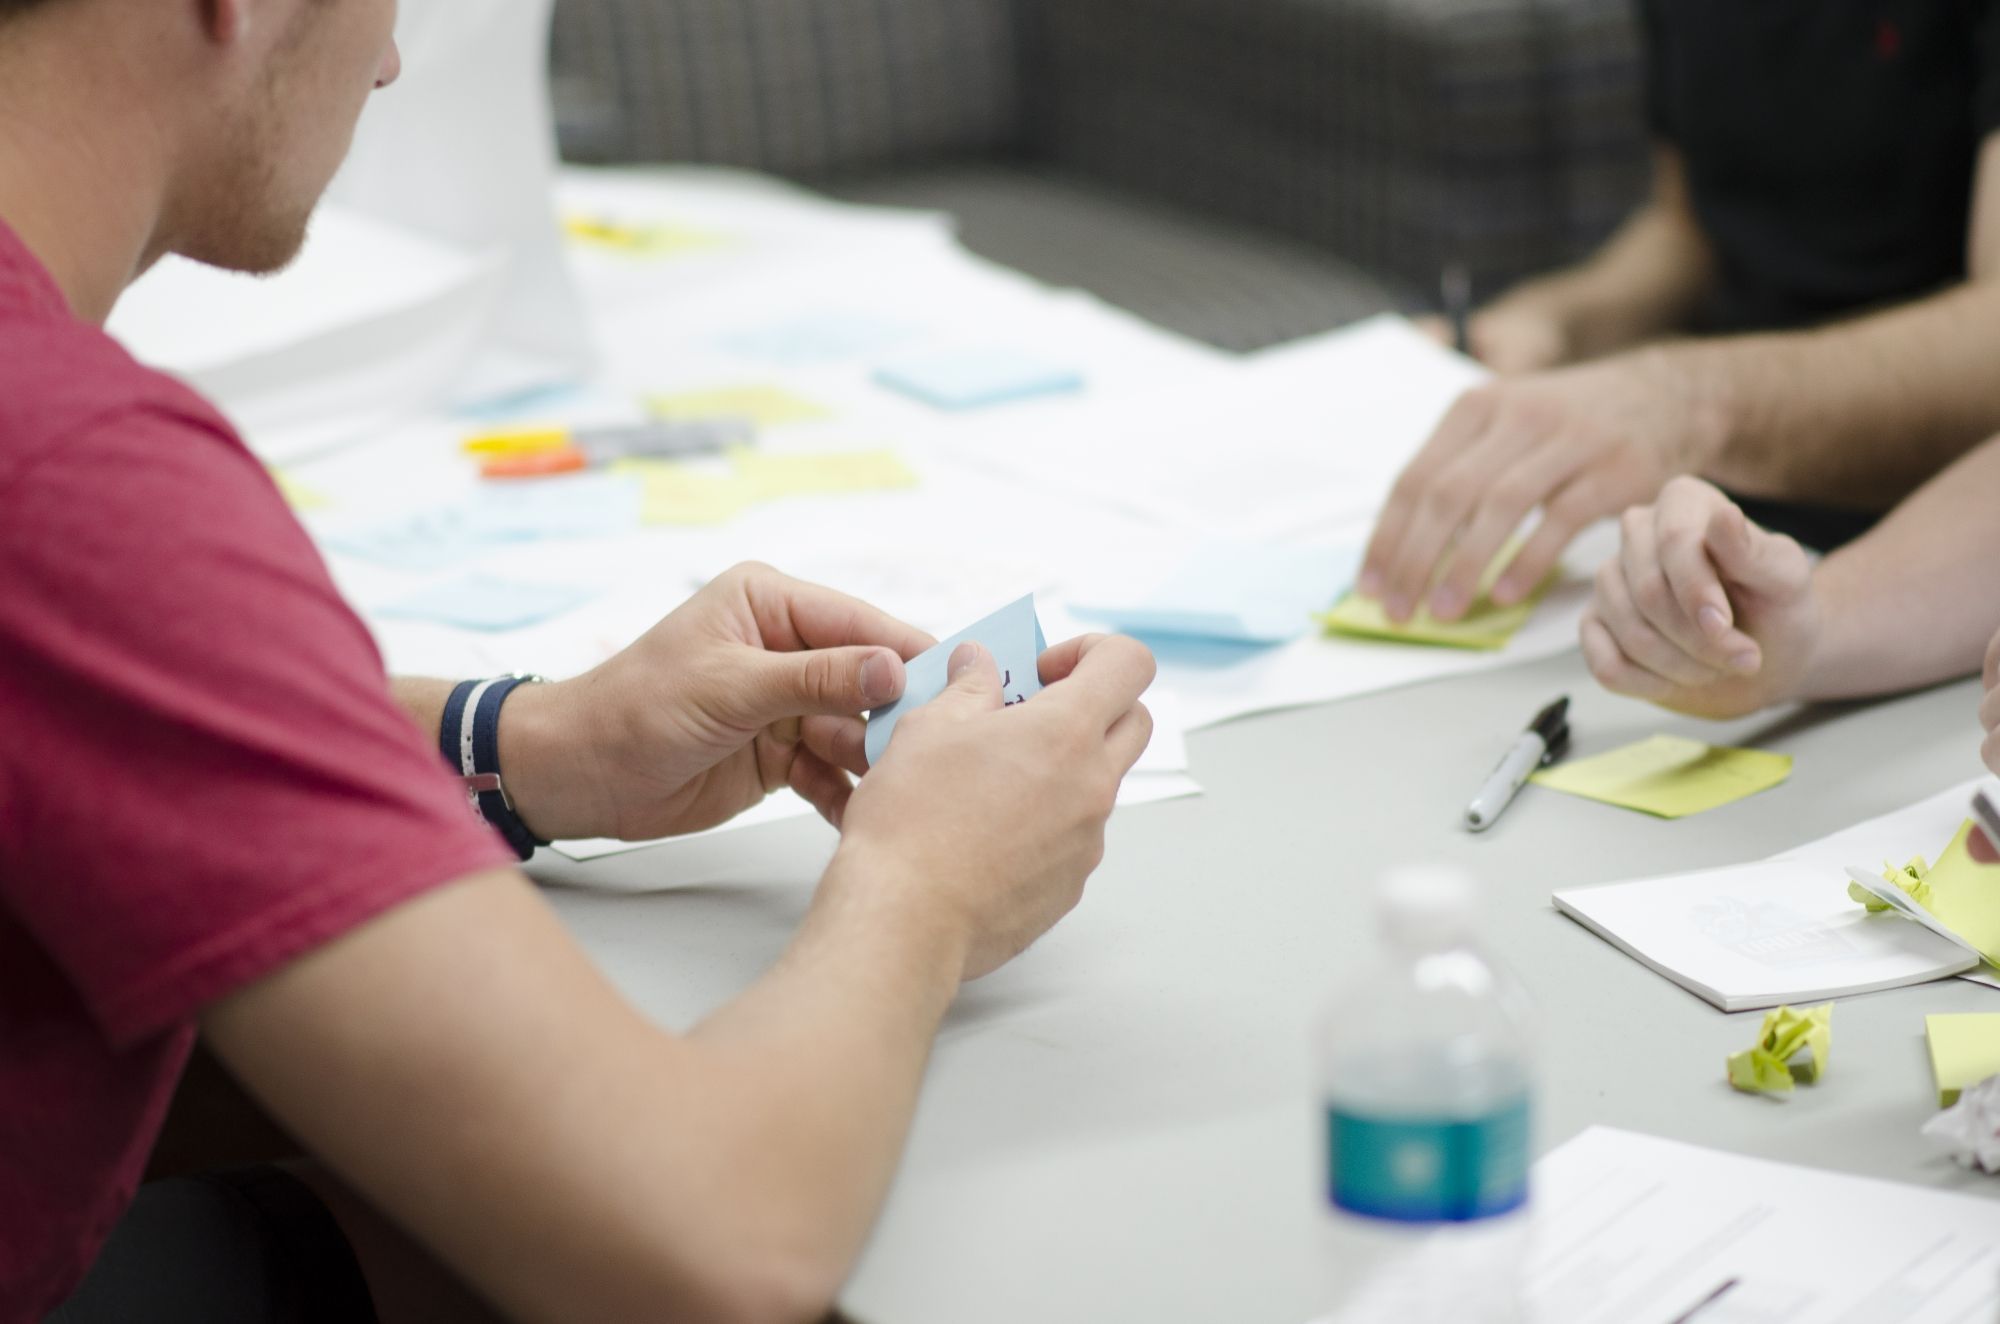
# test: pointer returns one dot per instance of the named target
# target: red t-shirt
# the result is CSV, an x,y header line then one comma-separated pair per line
x,y
202,772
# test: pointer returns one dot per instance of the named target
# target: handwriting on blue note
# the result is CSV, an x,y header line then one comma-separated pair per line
x,y
482,602
1249,593
972,379
1013,635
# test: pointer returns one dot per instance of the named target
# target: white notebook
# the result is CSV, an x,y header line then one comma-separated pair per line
x,y
1784,930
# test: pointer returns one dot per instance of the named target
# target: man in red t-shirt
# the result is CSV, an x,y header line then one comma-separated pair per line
x,y
219,821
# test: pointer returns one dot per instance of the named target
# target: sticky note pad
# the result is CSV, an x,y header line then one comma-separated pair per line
x,y
1485,627
1962,894
766,406
1013,635
676,493
297,494
1669,776
1965,1049
1252,593
427,541
973,379
775,475
639,239
821,338
481,602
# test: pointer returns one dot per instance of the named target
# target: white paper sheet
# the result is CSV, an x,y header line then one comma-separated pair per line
x,y
1783,929
1631,1229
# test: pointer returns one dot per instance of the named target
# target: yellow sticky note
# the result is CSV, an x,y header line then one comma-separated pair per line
x,y
1963,893
673,493
766,406
1485,627
638,240
1767,1067
1965,1049
1669,776
297,494
776,475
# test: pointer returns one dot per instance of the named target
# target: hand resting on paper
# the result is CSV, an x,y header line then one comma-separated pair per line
x,y
757,682
1702,611
1510,337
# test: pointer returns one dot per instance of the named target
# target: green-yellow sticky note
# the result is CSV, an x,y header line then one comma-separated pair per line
x,y
1485,627
639,240
1669,776
1965,1049
673,493
1771,1065
774,476
1963,893
297,494
766,406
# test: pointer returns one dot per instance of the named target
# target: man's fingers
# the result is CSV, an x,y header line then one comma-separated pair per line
x,y
841,682
1110,673
793,615
1613,670
1981,847
974,680
821,785
1128,737
1463,425
1993,663
1521,483
1637,638
1641,557
840,741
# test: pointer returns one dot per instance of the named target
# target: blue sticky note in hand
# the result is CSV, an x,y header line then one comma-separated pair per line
x,y
1245,593
969,379
1013,635
481,602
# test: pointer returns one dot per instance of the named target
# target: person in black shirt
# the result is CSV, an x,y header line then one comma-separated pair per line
x,y
1806,312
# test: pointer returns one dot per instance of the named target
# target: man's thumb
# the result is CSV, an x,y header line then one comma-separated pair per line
x,y
974,678
832,682
1748,556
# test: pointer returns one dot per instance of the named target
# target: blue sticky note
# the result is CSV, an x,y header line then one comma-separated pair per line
x,y
481,602
421,543
1013,635
582,506
1249,593
824,337
971,379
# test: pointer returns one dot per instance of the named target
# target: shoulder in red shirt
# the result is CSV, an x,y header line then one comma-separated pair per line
x,y
202,772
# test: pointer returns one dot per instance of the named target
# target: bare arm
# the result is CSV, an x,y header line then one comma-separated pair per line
x,y
1647,281
568,1158
1860,413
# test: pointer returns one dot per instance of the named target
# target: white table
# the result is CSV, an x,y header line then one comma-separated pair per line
x,y
1120,1126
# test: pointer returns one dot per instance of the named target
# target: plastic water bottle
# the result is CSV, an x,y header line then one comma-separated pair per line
x,y
1426,1077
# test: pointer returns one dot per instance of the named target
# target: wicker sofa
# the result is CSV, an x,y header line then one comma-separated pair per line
x,y
1242,171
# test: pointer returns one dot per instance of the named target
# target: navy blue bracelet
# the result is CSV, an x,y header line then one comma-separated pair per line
x,y
469,739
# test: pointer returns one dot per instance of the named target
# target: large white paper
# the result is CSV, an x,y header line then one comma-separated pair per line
x,y
1784,929
1631,1229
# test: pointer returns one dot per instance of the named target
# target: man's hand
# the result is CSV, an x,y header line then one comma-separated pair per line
x,y
1510,337
1581,443
1702,612
991,818
757,682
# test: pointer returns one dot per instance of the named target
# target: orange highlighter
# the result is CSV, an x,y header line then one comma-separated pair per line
x,y
546,452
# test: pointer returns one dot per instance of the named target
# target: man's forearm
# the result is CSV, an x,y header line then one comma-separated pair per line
x,y
1857,414
1915,601
1648,279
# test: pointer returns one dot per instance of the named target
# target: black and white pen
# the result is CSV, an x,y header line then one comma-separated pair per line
x,y
1545,741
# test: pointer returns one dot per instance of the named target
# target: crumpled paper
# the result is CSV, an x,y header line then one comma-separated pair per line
x,y
1970,1128
1768,1068
1913,878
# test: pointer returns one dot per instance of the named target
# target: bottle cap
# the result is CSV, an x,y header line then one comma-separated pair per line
x,y
1428,904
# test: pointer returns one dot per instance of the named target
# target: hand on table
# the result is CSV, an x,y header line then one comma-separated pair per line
x,y
755,683
993,817
1579,443
1509,338
1702,611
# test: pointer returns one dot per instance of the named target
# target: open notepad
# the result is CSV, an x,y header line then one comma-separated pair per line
x,y
1784,929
